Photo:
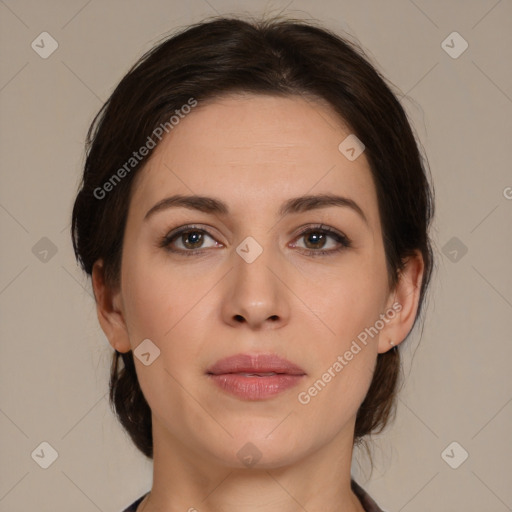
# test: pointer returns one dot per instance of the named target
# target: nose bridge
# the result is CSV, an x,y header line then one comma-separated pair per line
x,y
256,294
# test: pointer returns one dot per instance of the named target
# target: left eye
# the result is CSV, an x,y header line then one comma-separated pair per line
x,y
315,240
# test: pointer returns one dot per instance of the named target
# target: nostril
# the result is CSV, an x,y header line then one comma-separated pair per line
x,y
239,318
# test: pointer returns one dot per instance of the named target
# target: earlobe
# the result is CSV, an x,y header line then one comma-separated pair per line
x,y
109,310
404,300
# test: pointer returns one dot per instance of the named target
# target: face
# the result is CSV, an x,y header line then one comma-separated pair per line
x,y
256,309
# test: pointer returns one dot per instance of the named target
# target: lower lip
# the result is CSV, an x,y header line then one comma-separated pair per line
x,y
255,388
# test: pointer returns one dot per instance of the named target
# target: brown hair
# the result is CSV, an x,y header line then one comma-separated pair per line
x,y
277,57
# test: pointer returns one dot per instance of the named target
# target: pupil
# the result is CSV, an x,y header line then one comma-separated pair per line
x,y
193,234
316,236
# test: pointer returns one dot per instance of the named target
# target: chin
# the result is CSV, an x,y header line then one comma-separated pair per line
x,y
256,449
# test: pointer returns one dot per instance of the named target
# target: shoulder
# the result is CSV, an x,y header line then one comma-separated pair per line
x,y
135,504
367,502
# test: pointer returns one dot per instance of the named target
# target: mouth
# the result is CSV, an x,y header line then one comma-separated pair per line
x,y
255,377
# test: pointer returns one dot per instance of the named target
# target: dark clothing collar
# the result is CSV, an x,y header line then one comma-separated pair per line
x,y
366,501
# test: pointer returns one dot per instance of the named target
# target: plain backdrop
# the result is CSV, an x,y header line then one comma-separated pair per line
x,y
54,358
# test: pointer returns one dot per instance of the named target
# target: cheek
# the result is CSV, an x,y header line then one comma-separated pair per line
x,y
348,303
347,299
157,296
343,360
160,305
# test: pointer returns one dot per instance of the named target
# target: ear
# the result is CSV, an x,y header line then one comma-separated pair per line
x,y
402,304
109,310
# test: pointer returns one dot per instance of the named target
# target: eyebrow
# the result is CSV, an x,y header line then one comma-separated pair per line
x,y
294,205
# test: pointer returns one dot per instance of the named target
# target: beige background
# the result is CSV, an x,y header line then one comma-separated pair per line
x,y
54,358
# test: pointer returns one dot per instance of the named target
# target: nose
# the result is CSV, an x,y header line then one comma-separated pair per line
x,y
254,295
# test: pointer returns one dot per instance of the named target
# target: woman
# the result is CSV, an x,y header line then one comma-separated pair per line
x,y
254,215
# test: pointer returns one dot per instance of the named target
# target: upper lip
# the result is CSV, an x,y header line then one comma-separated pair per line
x,y
255,363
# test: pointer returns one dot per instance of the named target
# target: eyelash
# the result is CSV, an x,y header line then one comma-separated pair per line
x,y
344,242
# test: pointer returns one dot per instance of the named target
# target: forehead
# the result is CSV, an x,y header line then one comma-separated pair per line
x,y
255,148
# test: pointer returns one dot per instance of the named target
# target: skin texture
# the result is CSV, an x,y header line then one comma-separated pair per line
x,y
254,152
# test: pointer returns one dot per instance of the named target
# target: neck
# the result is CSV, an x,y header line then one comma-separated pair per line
x,y
195,482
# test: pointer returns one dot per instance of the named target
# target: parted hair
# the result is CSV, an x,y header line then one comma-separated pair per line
x,y
273,56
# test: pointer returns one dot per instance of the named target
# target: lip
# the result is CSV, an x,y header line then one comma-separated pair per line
x,y
255,376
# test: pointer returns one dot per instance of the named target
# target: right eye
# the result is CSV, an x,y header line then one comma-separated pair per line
x,y
191,239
